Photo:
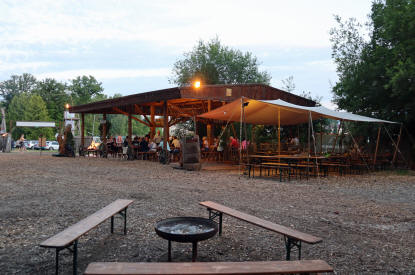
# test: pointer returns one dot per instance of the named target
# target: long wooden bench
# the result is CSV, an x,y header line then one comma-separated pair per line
x,y
210,268
292,237
69,237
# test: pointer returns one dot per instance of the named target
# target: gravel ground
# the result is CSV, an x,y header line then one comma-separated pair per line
x,y
367,222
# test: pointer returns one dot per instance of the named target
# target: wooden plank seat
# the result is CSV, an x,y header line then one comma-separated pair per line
x,y
341,168
281,166
278,166
209,268
69,237
292,237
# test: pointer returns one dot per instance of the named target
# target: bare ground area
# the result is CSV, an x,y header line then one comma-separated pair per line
x,y
367,222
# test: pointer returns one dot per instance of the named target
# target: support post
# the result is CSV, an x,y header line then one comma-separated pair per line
x,y
82,131
337,135
279,131
209,125
165,125
397,145
152,118
377,146
130,127
104,131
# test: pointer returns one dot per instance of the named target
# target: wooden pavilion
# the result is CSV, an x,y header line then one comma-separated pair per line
x,y
181,104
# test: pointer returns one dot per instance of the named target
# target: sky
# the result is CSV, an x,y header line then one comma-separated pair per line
x,y
131,46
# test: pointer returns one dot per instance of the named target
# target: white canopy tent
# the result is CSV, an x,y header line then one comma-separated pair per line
x,y
274,112
279,112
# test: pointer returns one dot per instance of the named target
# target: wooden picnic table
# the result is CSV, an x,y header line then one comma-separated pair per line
x,y
286,157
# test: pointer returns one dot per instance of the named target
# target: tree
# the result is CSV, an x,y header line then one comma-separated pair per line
x,y
16,85
377,75
53,93
213,63
27,107
84,89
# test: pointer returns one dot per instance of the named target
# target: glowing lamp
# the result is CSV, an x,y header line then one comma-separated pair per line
x,y
67,106
196,84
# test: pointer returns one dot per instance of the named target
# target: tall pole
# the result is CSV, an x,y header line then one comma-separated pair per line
x,y
209,125
337,135
82,131
152,117
397,145
165,125
104,131
240,132
377,146
130,127
279,131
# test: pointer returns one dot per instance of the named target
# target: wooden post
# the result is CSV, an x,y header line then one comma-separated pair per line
x,y
377,146
397,145
82,131
104,131
165,125
152,118
130,127
337,135
209,125
279,131
321,137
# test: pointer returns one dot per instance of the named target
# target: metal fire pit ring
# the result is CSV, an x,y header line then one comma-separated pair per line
x,y
186,230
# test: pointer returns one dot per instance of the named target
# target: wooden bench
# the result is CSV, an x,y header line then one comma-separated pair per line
x,y
210,268
292,237
69,237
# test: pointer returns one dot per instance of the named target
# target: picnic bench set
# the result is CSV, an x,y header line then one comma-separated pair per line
x,y
68,239
303,166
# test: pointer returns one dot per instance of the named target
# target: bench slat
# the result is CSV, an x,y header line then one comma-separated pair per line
x,y
209,268
262,223
73,232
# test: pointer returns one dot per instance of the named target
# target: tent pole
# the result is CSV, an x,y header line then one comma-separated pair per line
x,y
246,137
240,136
309,135
321,138
397,145
279,131
337,135
377,146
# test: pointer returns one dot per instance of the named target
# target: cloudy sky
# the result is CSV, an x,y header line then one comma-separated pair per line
x,y
130,46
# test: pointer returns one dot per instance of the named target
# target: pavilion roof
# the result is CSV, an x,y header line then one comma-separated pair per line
x,y
188,101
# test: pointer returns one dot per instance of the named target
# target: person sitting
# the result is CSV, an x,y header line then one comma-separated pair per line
x,y
176,147
234,143
136,146
205,144
161,145
157,138
152,146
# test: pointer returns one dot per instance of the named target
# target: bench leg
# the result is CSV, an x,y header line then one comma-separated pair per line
x,y
125,221
57,261
289,244
75,257
112,224
213,215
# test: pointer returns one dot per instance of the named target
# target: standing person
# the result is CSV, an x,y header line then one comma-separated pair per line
x,y
157,138
21,142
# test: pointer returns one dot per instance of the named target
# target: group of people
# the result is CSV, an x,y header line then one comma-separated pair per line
x,y
143,144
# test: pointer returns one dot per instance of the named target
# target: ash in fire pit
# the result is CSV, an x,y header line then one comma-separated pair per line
x,y
186,230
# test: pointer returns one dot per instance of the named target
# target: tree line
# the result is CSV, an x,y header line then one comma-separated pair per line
x,y
27,99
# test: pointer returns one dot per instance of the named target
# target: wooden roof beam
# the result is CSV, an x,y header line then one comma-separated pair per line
x,y
127,114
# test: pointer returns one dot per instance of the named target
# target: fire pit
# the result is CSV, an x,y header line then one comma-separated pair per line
x,y
186,230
